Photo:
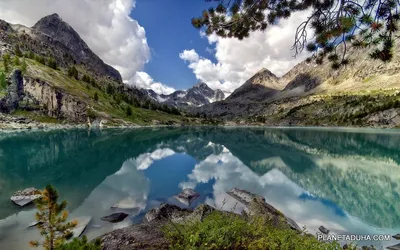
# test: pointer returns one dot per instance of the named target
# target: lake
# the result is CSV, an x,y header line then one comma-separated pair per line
x,y
344,179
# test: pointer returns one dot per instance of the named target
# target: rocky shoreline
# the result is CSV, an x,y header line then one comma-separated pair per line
x,y
9,122
149,234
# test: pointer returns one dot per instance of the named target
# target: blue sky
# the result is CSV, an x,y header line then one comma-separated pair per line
x,y
128,33
169,31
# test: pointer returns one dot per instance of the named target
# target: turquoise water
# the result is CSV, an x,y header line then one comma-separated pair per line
x,y
346,180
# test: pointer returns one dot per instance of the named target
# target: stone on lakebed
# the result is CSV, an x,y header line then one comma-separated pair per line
x,y
187,196
26,196
116,217
82,221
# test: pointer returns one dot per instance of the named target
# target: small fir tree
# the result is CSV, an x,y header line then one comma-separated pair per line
x,y
96,97
3,81
18,51
6,62
24,66
17,61
53,216
73,72
129,111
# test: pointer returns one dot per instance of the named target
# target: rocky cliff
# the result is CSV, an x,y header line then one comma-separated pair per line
x,y
52,75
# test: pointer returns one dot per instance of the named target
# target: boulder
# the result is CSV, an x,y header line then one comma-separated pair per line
x,y
82,223
139,236
397,236
166,212
323,230
257,206
187,196
116,217
26,196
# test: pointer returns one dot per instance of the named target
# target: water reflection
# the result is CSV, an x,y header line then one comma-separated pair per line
x,y
344,180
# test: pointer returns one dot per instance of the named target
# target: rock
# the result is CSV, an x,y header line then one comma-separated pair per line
x,y
187,196
394,247
345,246
397,236
82,221
200,213
257,206
116,217
26,196
323,230
127,203
141,236
166,212
15,92
34,223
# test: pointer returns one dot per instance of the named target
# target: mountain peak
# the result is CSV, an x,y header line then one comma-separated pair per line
x,y
50,20
201,84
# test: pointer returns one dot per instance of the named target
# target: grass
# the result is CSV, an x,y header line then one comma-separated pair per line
x,y
220,230
34,116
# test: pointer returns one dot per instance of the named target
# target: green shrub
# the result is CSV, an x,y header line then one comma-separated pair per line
x,y
230,231
96,97
81,244
3,81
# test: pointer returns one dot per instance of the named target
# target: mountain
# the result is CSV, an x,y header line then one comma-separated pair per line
x,y
199,95
364,93
53,76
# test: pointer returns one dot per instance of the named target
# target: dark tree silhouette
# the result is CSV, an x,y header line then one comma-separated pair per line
x,y
336,24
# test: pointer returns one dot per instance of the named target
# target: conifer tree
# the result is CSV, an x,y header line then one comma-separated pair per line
x,y
16,61
129,111
18,51
3,81
73,72
96,97
6,62
52,63
53,217
24,66
335,24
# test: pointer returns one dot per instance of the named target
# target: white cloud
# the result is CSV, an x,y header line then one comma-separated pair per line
x,y
238,60
105,25
144,161
143,80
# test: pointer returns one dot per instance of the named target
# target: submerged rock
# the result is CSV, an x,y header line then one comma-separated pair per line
x,y
34,223
82,221
323,230
394,247
397,236
127,203
187,196
116,217
26,196
257,206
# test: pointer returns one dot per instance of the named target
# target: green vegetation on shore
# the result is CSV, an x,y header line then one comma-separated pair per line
x,y
222,230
